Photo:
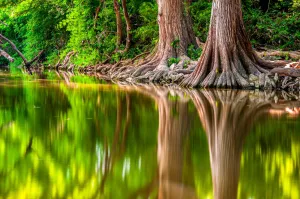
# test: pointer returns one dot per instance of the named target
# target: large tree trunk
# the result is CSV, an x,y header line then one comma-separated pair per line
x,y
175,35
174,25
119,24
228,57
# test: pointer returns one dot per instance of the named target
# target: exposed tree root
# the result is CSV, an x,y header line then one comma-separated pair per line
x,y
283,54
66,64
292,72
228,58
175,36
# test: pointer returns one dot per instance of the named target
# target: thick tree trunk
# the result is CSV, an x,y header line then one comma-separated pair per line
x,y
128,25
228,57
174,25
119,24
175,35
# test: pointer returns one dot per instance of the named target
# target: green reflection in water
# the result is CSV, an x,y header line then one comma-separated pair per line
x,y
71,137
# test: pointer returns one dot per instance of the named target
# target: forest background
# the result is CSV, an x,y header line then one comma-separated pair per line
x,y
89,28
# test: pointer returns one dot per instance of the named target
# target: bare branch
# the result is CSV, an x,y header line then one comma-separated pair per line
x,y
26,62
6,55
15,48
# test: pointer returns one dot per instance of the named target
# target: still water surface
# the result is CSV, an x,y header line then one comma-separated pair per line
x,y
78,137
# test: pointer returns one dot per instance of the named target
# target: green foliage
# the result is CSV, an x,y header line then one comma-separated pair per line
x,y
147,33
175,43
277,28
194,53
173,60
186,64
61,26
200,13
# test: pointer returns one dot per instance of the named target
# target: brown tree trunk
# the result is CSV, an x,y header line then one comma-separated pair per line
x,y
128,25
175,35
97,12
228,57
119,24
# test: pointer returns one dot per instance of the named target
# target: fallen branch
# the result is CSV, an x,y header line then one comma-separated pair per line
x,y
6,55
292,72
26,62
57,65
290,54
66,61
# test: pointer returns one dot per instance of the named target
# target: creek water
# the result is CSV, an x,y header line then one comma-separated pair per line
x,y
74,136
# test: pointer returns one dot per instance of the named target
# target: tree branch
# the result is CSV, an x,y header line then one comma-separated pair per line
x,y
15,48
6,55
26,62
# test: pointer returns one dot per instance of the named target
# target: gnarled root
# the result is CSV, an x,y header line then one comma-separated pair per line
x,y
292,72
222,67
153,69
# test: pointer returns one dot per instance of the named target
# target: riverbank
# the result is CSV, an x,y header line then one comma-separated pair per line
x,y
285,78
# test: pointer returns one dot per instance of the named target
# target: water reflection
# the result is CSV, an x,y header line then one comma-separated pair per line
x,y
62,139
227,117
172,152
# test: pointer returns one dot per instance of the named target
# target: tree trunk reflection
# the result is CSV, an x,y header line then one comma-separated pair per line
x,y
172,149
172,133
227,117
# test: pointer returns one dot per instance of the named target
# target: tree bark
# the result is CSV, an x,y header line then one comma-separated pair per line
x,y
119,24
228,58
175,35
128,25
